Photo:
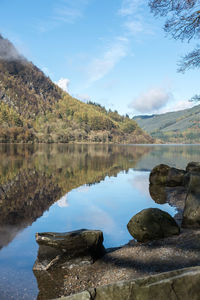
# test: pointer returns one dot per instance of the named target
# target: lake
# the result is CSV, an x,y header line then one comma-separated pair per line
x,y
67,187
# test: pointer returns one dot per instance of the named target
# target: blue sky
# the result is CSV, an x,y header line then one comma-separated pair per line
x,y
113,52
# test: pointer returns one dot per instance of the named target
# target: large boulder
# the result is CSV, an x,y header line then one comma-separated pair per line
x,y
193,167
179,284
165,175
151,224
191,214
158,193
68,249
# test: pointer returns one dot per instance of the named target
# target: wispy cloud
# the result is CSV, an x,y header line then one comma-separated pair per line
x,y
69,11
132,12
129,7
100,66
63,11
67,14
134,27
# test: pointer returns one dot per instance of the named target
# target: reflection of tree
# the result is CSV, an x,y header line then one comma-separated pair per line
x,y
23,200
32,178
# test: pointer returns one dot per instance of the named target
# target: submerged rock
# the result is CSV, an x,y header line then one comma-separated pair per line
x,y
191,214
68,249
165,175
151,224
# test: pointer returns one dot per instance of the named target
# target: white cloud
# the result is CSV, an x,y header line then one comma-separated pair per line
x,y
151,101
63,83
180,105
99,67
141,183
98,218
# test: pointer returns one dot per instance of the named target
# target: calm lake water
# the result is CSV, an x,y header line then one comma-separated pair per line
x,y
68,187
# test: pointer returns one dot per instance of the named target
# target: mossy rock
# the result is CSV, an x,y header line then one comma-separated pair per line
x,y
151,224
193,167
191,214
165,175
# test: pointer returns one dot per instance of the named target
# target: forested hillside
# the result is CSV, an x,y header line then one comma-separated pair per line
x,y
181,126
34,109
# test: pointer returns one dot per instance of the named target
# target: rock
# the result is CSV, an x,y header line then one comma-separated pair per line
x,y
69,249
179,284
151,224
193,167
158,193
80,296
164,175
191,214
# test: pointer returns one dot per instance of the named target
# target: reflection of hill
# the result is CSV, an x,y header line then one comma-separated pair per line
x,y
23,200
174,156
32,178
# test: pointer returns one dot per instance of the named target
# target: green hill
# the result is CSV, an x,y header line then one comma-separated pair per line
x,y
34,109
175,127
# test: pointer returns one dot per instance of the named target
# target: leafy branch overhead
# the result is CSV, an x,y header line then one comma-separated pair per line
x,y
183,23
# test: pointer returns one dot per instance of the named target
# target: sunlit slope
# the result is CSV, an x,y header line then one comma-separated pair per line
x,y
180,126
34,109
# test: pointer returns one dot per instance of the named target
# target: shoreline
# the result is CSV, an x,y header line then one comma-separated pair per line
x,y
131,261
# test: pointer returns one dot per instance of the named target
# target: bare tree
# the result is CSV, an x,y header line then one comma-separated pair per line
x,y
195,98
183,23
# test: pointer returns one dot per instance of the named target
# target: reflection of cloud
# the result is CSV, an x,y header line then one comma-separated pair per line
x,y
83,189
99,219
63,201
141,183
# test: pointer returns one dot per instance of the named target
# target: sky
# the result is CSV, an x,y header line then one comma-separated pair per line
x,y
112,52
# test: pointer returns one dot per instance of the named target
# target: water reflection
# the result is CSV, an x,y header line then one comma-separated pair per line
x,y
32,178
68,187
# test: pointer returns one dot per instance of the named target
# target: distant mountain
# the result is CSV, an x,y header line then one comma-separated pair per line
x,y
175,127
34,109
